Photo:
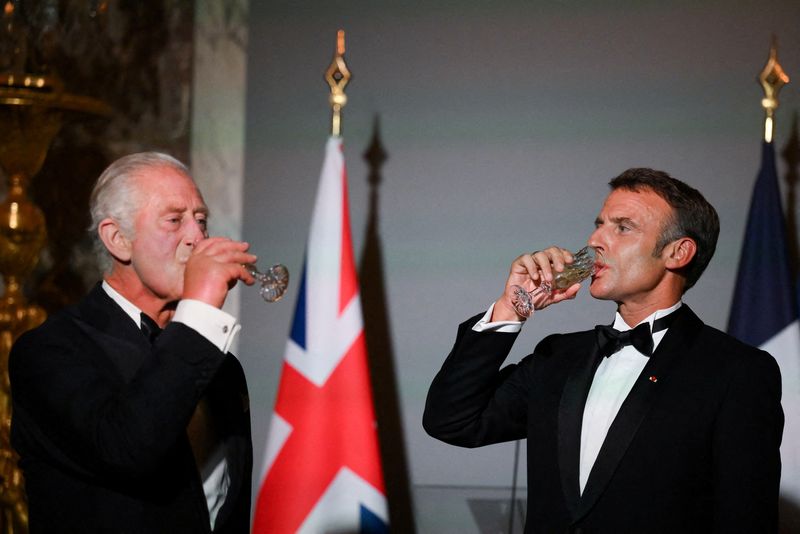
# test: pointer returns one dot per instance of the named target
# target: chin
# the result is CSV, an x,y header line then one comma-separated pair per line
x,y
597,291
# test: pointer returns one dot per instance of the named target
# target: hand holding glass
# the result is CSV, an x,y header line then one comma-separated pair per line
x,y
582,267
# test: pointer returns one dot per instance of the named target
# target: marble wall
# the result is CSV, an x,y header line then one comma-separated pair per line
x,y
165,67
136,57
218,97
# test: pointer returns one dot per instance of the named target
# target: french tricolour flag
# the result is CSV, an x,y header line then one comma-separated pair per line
x,y
322,469
765,309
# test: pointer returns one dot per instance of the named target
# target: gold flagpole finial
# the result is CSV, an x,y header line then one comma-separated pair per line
x,y
337,76
772,78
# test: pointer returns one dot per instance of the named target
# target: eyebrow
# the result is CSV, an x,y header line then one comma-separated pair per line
x,y
617,220
183,209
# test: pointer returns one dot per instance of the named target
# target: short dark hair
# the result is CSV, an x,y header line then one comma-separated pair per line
x,y
692,217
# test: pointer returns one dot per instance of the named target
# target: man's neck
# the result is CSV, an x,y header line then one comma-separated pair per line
x,y
666,294
132,289
635,312
655,314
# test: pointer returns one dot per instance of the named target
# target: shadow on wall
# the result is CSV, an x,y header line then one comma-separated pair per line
x,y
380,351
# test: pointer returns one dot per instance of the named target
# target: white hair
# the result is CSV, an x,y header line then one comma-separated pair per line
x,y
116,196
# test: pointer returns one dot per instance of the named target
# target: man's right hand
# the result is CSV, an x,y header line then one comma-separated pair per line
x,y
214,267
529,271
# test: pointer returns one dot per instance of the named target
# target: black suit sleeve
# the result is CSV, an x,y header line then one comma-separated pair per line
x,y
472,402
73,407
746,457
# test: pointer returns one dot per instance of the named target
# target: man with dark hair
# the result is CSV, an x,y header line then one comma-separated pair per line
x,y
661,424
692,216
122,427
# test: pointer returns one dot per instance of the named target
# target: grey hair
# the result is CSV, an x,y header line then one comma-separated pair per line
x,y
116,196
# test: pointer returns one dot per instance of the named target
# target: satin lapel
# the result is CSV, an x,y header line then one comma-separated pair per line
x,y
113,330
570,420
672,348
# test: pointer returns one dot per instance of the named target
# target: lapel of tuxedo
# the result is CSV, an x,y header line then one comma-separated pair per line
x,y
117,336
125,347
634,409
570,420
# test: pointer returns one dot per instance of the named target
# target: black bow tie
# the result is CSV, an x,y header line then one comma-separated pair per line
x,y
149,328
610,340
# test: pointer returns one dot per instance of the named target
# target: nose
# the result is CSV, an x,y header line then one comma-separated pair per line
x,y
595,239
196,233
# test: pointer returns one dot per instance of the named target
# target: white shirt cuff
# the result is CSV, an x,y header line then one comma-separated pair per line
x,y
217,326
485,324
216,488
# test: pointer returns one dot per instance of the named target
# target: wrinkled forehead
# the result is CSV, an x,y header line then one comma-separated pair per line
x,y
637,203
164,186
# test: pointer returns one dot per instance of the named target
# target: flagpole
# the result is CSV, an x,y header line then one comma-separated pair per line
x,y
325,387
764,310
337,76
772,78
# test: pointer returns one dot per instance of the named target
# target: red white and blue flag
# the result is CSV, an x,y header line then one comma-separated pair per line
x,y
322,469
765,311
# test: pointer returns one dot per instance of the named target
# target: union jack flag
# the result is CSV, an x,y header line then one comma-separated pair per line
x,y
322,469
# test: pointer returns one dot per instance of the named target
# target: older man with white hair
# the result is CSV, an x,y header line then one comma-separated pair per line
x,y
123,427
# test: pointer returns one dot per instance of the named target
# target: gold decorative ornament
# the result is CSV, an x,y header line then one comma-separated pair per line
x,y
772,78
33,108
337,76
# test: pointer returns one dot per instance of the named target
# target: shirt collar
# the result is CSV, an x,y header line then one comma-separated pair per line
x,y
621,325
127,306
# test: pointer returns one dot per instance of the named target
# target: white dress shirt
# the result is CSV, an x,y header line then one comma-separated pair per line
x,y
219,328
611,384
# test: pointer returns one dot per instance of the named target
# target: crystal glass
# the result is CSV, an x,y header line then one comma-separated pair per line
x,y
273,282
582,267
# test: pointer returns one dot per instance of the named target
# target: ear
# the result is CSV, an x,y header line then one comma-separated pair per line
x,y
115,241
680,253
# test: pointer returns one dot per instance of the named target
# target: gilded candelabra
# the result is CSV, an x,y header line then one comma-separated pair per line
x,y
32,111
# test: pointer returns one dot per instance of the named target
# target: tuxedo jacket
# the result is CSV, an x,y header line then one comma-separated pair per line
x,y
694,447
100,417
